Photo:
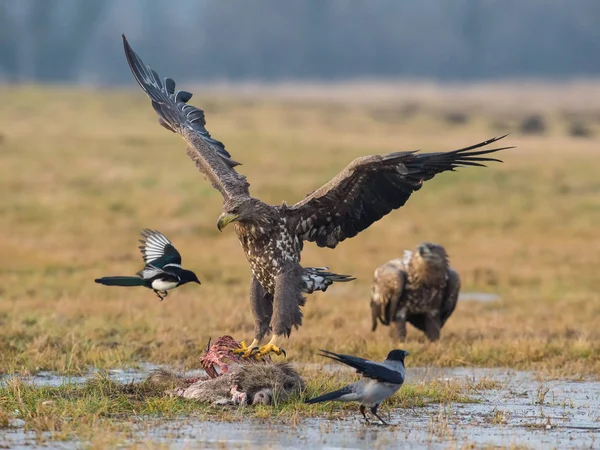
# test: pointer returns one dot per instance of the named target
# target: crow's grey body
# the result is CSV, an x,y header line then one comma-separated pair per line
x,y
272,236
380,381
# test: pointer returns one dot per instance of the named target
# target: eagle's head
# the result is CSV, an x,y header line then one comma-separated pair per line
x,y
246,210
429,263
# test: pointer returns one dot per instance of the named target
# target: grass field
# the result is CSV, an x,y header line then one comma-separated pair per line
x,y
82,172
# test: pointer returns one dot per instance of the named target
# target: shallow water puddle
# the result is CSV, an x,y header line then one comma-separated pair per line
x,y
478,297
51,379
522,411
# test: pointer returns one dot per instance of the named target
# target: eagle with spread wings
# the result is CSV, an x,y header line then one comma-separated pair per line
x,y
272,237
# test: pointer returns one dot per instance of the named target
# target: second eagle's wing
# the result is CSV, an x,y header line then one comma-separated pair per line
x,y
371,187
386,292
176,115
450,295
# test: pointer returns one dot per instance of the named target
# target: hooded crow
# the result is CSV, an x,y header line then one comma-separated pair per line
x,y
380,381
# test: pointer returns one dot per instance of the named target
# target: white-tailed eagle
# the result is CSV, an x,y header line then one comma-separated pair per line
x,y
273,236
420,288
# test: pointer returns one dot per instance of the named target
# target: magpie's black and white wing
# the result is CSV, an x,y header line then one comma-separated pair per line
x,y
157,250
366,368
149,272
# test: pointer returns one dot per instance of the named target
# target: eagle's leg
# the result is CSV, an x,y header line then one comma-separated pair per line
x,y
398,328
374,412
433,325
262,309
287,301
362,411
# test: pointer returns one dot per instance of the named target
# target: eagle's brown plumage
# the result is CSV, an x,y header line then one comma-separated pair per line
x,y
420,288
272,236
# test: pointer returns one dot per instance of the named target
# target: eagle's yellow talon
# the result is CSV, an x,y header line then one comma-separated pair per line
x,y
256,352
246,351
270,348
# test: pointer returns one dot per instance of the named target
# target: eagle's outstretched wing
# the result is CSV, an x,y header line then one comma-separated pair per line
x,y
176,115
371,187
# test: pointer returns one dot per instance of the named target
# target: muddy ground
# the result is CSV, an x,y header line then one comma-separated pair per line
x,y
522,411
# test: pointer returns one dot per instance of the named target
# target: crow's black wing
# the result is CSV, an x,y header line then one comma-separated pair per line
x,y
367,368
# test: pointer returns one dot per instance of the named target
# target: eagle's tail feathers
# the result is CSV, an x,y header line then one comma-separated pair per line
x,y
319,279
120,281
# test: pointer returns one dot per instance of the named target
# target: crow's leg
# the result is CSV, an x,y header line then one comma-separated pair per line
x,y
374,412
362,411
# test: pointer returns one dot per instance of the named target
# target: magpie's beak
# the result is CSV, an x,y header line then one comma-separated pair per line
x,y
225,219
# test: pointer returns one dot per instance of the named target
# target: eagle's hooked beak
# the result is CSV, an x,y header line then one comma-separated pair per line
x,y
225,219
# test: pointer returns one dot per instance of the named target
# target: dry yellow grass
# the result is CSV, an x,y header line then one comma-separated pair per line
x,y
82,172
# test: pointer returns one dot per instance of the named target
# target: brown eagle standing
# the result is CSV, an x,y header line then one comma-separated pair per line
x,y
420,288
273,236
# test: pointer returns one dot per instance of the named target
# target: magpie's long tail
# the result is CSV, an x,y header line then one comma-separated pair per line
x,y
319,279
120,281
335,395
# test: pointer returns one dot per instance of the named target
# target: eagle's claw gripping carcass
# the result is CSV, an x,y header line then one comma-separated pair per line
x,y
258,353
267,349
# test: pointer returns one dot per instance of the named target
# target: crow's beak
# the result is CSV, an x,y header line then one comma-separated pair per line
x,y
225,219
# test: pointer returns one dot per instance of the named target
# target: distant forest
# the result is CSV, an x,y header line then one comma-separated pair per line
x,y
78,41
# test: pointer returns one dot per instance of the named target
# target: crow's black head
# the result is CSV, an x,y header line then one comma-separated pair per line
x,y
397,355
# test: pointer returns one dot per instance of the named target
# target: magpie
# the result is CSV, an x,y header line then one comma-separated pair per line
x,y
380,381
163,270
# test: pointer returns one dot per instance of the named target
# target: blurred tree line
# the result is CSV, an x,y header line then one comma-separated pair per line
x,y
79,40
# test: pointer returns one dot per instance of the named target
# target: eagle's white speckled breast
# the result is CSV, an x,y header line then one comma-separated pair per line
x,y
268,251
